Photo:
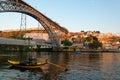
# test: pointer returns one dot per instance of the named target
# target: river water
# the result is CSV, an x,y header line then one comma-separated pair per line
x,y
83,66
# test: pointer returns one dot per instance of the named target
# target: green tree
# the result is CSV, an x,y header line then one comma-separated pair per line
x,y
88,39
66,43
93,42
96,44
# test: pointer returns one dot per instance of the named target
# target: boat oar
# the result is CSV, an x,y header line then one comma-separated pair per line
x,y
56,65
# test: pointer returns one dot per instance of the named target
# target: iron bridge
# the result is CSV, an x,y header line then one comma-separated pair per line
x,y
22,7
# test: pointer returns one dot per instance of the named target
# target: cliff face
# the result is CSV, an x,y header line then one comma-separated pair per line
x,y
17,33
8,34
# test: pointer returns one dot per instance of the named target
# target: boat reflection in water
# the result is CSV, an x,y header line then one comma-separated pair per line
x,y
86,66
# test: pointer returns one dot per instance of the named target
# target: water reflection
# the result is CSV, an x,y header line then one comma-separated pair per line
x,y
85,66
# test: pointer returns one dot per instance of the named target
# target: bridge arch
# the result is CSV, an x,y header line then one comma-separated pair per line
x,y
22,7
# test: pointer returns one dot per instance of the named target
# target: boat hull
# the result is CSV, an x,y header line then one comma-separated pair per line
x,y
25,66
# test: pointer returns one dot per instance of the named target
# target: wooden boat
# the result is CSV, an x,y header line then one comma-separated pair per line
x,y
19,64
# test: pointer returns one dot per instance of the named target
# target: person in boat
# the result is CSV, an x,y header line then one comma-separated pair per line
x,y
32,61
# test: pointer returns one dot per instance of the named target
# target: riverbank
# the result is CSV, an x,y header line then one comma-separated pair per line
x,y
86,50
62,50
102,50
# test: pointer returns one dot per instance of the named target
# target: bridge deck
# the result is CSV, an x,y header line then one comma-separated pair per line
x,y
10,41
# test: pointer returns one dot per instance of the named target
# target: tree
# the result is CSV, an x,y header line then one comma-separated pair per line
x,y
93,42
96,44
66,43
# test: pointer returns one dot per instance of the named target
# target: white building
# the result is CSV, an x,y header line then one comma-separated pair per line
x,y
43,36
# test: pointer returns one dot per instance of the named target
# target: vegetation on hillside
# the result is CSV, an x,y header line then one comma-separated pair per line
x,y
93,42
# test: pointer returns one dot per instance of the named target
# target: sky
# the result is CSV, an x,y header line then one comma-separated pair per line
x,y
75,15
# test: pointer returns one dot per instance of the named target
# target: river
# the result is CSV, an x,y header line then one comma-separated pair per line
x,y
83,66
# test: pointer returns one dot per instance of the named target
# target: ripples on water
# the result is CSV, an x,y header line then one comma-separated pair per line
x,y
85,66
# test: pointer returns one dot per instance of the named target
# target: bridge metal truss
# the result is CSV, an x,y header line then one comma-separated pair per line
x,y
22,7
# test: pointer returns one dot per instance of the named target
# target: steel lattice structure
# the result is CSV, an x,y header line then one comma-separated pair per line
x,y
22,7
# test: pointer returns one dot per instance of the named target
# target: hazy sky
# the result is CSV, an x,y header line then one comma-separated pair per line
x,y
75,15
